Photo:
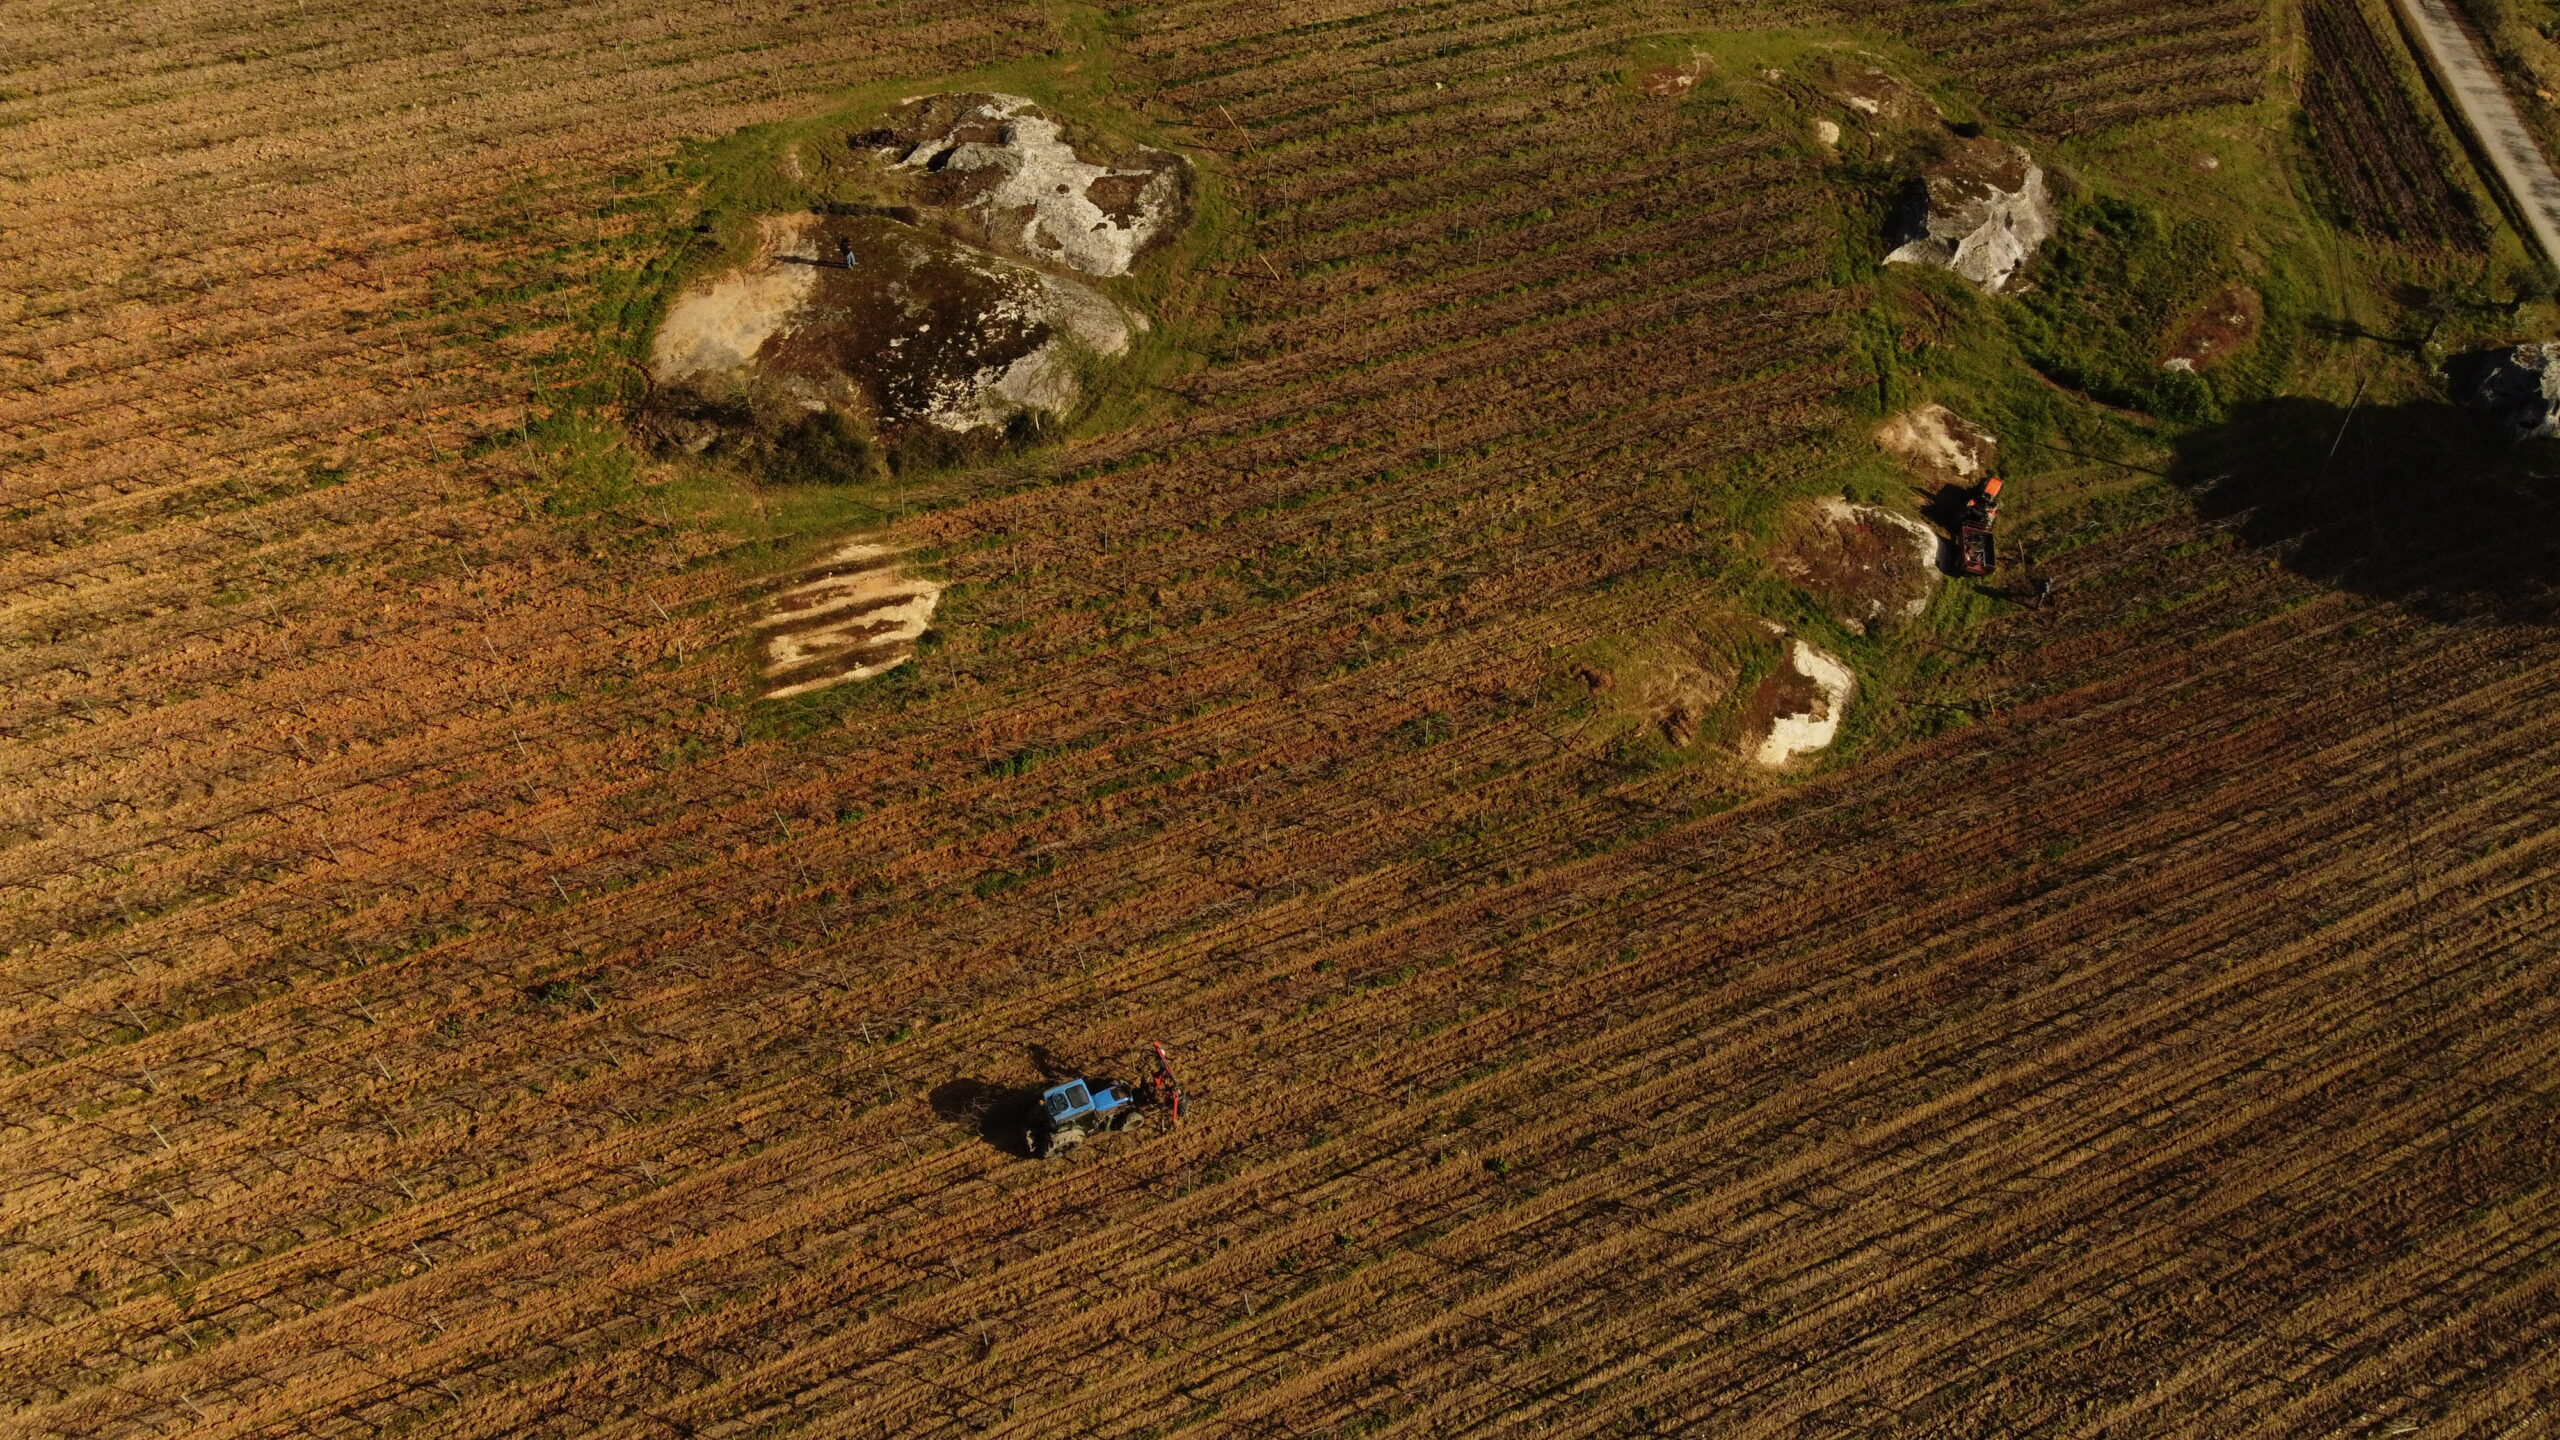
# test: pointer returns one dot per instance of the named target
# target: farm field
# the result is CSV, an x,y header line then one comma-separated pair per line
x,y
441,999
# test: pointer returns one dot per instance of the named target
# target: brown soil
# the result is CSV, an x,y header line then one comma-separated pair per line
x,y
1864,565
1877,97
1797,710
2383,167
1979,162
437,1007
915,318
1785,691
2226,324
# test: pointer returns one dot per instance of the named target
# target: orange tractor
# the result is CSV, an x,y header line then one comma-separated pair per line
x,y
1973,533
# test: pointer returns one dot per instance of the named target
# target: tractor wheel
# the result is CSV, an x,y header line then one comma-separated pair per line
x,y
1064,1141
1035,1143
1132,1121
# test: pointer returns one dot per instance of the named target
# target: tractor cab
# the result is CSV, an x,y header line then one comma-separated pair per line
x,y
1071,1111
1982,507
1074,1102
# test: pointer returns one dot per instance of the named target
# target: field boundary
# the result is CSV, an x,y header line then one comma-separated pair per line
x,y
2481,103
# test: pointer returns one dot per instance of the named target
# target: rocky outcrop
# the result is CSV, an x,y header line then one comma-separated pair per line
x,y
1009,168
2519,387
1938,444
1798,709
883,326
1865,565
1980,211
962,304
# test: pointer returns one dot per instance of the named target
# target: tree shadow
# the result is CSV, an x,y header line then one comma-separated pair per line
x,y
2423,504
1000,1114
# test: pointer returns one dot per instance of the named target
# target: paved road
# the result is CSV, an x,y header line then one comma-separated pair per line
x,y
2491,115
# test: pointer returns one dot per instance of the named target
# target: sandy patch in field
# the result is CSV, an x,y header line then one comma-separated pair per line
x,y
1864,563
1798,709
1940,444
856,613
1010,166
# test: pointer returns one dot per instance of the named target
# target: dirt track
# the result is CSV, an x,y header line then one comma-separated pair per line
x,y
2489,112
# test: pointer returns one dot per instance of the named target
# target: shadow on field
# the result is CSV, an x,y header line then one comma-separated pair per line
x,y
1000,1114
2424,504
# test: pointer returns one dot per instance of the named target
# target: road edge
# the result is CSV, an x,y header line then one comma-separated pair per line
x,y
2484,108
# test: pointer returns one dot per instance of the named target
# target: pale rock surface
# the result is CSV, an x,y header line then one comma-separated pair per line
x,y
1009,164
1813,727
2519,387
1981,213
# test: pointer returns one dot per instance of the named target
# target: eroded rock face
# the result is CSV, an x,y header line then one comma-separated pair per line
x,y
1939,444
918,330
1007,165
2519,387
1980,211
1798,709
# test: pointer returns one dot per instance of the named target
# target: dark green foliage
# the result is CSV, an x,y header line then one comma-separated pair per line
x,y
2108,293
826,449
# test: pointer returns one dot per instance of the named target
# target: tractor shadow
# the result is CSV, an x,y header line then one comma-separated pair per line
x,y
2423,504
1944,507
999,1114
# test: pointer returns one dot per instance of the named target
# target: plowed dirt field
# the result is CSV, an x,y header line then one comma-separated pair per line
x,y
437,1003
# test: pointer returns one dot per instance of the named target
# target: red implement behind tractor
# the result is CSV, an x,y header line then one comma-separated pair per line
x,y
1161,1087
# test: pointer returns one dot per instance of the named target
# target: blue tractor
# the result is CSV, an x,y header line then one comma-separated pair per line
x,y
1071,1111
